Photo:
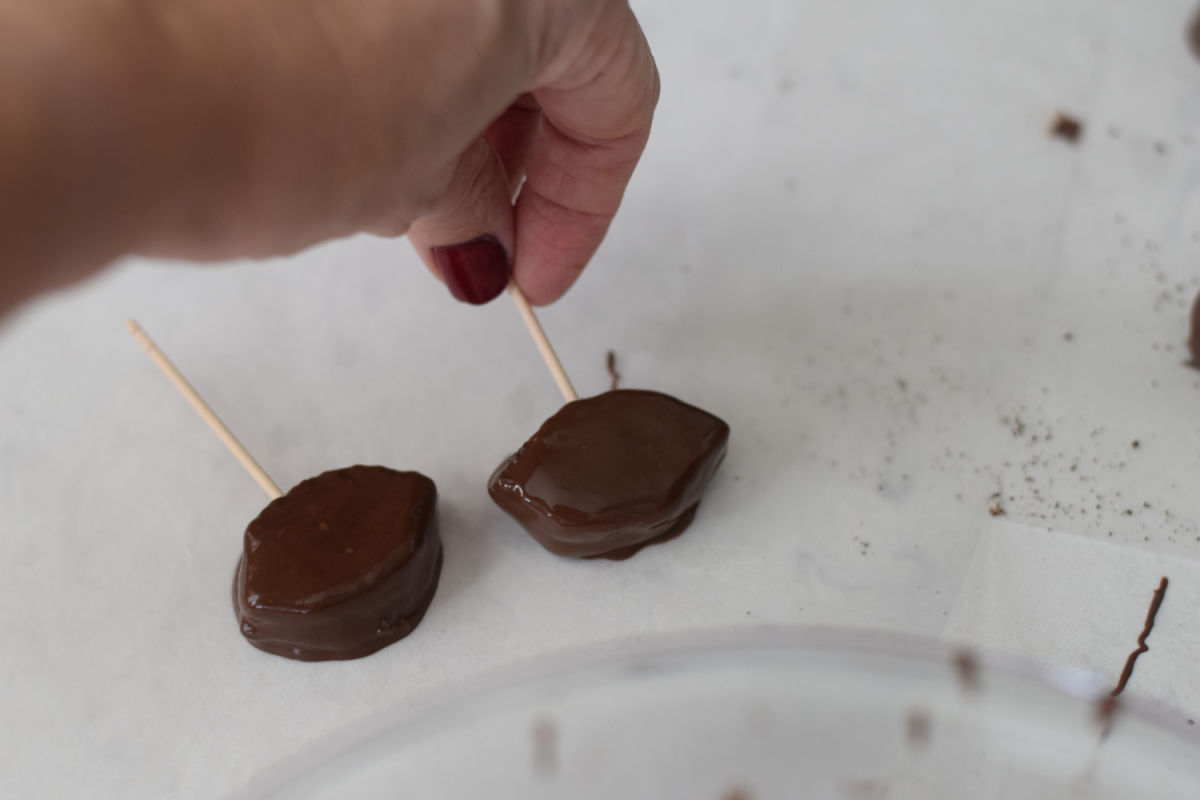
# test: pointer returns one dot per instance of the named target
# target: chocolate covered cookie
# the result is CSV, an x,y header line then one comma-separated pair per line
x,y
342,565
607,475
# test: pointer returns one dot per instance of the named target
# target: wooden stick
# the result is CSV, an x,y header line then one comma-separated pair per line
x,y
543,344
200,407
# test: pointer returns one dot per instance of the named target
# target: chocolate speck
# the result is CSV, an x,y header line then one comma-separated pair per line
x,y
1135,444
967,667
1066,127
996,510
917,728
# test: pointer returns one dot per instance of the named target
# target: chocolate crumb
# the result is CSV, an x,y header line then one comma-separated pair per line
x,y
917,728
996,510
1142,647
1066,127
967,667
610,361
1135,444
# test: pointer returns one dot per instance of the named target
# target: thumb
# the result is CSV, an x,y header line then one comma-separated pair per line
x,y
466,238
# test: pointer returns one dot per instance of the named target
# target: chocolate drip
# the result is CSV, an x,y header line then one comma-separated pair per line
x,y
610,362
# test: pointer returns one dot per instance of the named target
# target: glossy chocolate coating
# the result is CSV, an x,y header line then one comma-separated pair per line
x,y
607,475
1194,339
342,565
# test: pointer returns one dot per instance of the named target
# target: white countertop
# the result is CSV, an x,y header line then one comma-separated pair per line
x,y
851,238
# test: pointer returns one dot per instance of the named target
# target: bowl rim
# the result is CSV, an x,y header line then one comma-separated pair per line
x,y
458,698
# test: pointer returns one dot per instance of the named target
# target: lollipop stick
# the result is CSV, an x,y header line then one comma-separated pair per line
x,y
543,344
200,407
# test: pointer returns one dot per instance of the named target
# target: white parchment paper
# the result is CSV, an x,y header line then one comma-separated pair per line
x,y
851,237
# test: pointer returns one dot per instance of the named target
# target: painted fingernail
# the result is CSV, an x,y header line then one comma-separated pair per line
x,y
475,271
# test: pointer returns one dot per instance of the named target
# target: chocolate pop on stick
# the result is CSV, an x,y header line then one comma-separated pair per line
x,y
342,565
607,475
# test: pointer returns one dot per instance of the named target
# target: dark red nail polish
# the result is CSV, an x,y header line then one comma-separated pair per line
x,y
475,271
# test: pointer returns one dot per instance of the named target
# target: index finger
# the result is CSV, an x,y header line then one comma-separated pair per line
x,y
597,105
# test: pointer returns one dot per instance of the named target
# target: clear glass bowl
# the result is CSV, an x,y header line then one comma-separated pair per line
x,y
759,716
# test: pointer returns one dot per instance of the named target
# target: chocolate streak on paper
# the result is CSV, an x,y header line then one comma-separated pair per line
x,y
1142,647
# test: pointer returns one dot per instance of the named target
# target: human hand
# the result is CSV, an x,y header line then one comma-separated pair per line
x,y
214,130
568,144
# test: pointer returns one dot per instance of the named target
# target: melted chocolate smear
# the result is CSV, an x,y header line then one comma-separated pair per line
x,y
1106,712
624,553
341,566
610,361
1142,647
608,475
967,667
1066,127
1194,338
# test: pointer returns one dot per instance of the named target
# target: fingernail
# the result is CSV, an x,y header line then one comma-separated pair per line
x,y
475,271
